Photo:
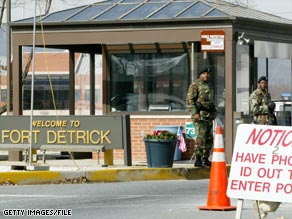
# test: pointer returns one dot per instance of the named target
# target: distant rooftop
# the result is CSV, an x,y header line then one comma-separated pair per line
x,y
154,10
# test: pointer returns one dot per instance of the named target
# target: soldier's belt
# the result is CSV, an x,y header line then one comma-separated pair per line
x,y
262,114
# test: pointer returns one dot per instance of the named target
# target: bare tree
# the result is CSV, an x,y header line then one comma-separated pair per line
x,y
27,66
244,3
46,3
2,11
48,6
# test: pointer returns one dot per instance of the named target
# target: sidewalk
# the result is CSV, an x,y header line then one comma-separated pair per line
x,y
57,170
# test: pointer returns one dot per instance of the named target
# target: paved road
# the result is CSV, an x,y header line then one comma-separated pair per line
x,y
174,199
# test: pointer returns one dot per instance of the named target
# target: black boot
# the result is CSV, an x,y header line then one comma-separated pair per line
x,y
206,162
198,162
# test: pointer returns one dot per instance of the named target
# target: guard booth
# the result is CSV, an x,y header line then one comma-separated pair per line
x,y
150,52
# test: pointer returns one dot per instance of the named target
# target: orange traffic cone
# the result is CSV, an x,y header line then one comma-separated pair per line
x,y
217,198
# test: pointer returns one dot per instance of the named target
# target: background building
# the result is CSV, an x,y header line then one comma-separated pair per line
x,y
151,51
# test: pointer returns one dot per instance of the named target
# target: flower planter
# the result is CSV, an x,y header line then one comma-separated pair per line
x,y
173,129
160,152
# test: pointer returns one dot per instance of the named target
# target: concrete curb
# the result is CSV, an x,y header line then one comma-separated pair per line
x,y
38,177
108,175
144,174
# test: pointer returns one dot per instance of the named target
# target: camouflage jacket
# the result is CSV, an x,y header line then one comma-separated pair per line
x,y
259,100
200,91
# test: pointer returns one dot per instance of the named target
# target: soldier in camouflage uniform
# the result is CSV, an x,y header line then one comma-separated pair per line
x,y
262,109
200,104
261,104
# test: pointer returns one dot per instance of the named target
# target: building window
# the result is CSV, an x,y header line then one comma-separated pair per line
x,y
87,94
242,79
3,95
77,94
149,82
43,94
279,76
97,95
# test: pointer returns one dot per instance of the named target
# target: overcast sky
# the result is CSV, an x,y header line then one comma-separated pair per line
x,y
281,8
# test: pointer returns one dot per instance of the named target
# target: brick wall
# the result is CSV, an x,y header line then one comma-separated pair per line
x,y
146,125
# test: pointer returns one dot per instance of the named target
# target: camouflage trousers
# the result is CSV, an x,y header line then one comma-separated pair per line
x,y
204,140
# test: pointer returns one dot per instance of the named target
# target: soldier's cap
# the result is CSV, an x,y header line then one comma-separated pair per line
x,y
204,69
263,78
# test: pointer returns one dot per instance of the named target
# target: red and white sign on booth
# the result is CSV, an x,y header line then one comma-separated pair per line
x,y
212,41
261,167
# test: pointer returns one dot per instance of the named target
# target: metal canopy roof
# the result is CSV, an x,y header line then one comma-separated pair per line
x,y
153,10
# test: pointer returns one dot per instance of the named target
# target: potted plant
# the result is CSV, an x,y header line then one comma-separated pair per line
x,y
160,148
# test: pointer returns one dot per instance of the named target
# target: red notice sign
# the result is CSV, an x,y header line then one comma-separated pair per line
x,y
261,167
212,41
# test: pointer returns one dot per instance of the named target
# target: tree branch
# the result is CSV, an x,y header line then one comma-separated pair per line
x,y
48,6
2,11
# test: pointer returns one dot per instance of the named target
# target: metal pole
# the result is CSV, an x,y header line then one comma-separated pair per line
x,y
239,209
8,48
192,62
32,83
291,99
